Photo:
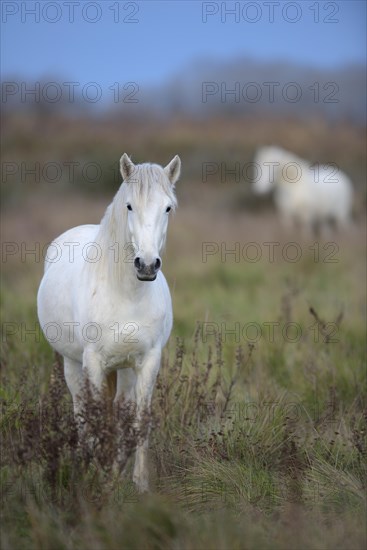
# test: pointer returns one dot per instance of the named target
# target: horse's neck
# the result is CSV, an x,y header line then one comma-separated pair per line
x,y
285,158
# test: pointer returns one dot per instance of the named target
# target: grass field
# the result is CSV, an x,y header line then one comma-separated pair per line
x,y
259,436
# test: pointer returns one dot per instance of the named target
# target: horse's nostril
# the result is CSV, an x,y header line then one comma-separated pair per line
x,y
157,264
137,263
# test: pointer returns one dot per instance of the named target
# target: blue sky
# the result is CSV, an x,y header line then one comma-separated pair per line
x,y
169,35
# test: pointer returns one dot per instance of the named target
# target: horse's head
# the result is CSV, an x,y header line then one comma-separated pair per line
x,y
148,199
265,171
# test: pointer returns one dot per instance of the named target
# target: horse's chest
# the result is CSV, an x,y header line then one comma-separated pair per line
x,y
134,333
128,328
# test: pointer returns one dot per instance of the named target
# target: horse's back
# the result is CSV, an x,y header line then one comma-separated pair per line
x,y
70,244
318,192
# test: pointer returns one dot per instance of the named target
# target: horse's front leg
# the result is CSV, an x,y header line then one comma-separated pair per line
x,y
147,370
125,397
75,375
93,369
93,374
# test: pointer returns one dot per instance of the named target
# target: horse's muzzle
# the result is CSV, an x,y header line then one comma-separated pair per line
x,y
146,272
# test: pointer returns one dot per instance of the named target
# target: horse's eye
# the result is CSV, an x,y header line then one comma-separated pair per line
x,y
129,207
168,208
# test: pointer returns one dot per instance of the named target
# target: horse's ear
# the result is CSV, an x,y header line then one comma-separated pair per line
x,y
173,169
127,167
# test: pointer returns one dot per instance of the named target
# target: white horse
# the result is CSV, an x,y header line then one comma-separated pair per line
x,y
103,302
307,194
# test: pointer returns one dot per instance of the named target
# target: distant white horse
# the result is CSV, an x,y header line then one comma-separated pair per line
x,y
103,302
307,194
